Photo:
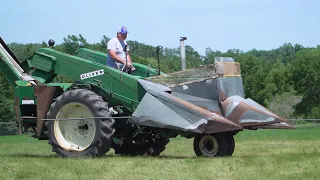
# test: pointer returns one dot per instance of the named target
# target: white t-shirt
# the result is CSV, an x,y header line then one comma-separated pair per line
x,y
118,46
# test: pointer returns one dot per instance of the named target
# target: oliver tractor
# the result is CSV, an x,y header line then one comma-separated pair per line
x,y
135,113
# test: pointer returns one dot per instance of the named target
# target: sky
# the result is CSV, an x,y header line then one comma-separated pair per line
x,y
220,25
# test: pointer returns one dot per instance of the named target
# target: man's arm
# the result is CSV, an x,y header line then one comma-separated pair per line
x,y
127,54
115,57
130,62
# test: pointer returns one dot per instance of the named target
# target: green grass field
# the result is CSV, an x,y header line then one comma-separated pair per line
x,y
262,154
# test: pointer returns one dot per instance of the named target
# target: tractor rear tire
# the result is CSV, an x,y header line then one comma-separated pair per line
x,y
210,145
80,138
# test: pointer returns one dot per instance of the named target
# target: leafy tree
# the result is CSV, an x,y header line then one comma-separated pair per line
x,y
287,53
24,51
276,81
306,79
210,55
6,101
253,71
72,43
193,58
315,112
283,104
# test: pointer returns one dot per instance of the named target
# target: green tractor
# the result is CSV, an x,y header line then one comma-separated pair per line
x,y
135,113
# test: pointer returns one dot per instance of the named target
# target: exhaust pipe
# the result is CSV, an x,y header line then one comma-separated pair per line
x,y
182,53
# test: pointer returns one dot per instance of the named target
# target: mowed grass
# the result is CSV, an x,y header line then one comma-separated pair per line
x,y
261,154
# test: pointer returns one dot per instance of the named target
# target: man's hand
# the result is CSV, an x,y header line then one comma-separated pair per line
x,y
130,62
129,65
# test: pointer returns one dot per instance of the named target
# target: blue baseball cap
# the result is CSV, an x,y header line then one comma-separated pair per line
x,y
122,30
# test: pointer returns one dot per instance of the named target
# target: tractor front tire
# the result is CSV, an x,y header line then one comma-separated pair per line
x,y
80,138
230,144
210,145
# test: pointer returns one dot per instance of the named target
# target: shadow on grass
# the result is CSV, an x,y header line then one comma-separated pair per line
x,y
25,155
150,157
115,156
107,156
293,155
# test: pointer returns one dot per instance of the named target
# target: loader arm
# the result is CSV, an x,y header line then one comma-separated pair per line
x,y
10,66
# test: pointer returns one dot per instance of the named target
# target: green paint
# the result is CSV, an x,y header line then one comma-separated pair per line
x,y
25,93
64,86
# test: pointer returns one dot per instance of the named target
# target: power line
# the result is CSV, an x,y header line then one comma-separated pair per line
x,y
304,119
7,122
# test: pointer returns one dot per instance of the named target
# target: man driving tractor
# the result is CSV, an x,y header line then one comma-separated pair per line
x,y
116,53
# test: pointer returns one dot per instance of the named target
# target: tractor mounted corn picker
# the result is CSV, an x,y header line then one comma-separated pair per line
x,y
135,113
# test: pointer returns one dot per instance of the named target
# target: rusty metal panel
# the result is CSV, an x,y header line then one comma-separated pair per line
x,y
163,110
281,125
18,114
208,104
247,112
44,95
154,112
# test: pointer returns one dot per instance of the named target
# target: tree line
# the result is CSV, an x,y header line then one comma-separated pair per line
x,y
284,79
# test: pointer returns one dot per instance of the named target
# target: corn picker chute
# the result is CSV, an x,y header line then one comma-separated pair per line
x,y
134,113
